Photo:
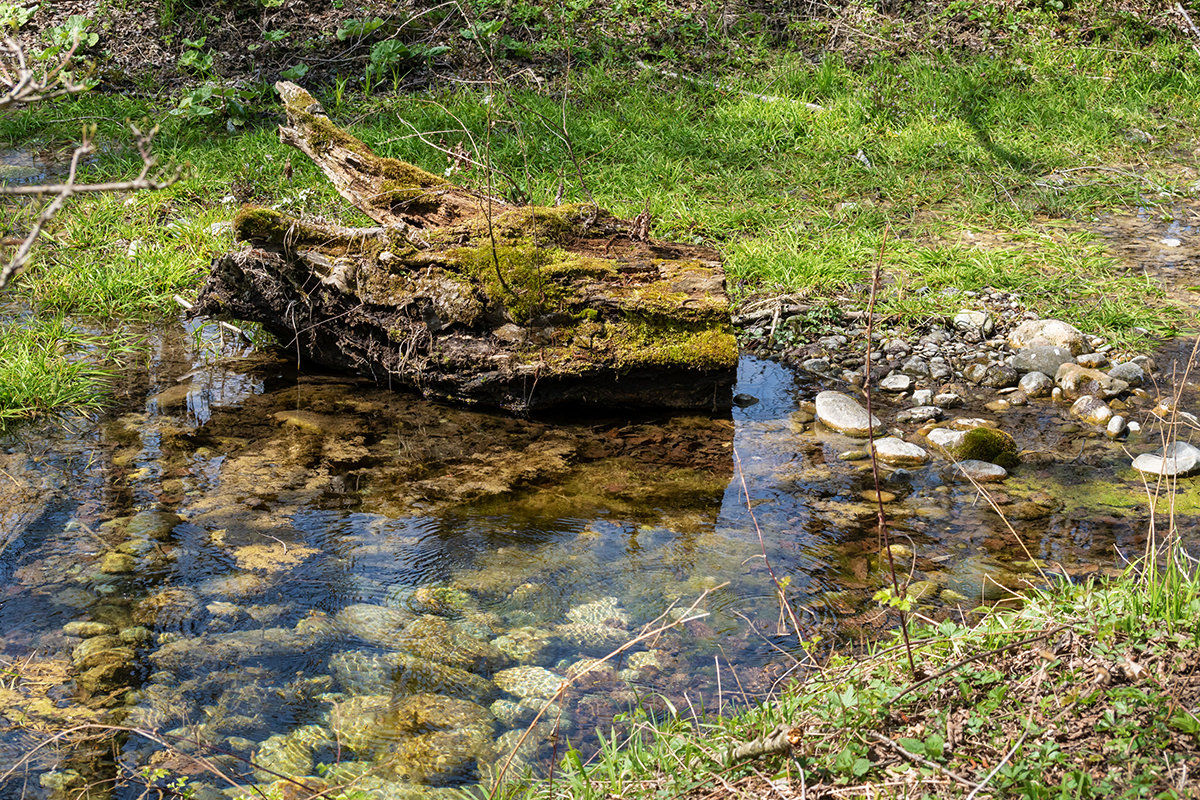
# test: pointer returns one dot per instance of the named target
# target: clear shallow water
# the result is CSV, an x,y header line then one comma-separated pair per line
x,y
332,580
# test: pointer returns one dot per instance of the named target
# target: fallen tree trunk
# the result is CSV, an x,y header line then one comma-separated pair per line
x,y
463,297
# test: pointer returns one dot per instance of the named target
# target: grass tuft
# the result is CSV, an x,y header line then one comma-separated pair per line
x,y
47,364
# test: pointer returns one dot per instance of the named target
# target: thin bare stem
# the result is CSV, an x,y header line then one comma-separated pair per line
x,y
70,187
20,84
881,516
782,595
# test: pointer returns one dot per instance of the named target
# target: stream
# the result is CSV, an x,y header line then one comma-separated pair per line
x,y
295,575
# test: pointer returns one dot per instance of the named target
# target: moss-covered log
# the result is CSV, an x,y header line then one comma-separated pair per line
x,y
471,300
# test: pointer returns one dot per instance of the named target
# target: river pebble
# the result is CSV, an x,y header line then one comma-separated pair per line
x,y
892,450
1042,358
1092,410
980,471
842,413
1130,372
1036,384
1052,332
1177,459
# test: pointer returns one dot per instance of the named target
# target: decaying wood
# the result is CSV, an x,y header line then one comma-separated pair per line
x,y
779,740
463,297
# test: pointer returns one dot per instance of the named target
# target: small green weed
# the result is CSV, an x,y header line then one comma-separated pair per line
x,y
49,365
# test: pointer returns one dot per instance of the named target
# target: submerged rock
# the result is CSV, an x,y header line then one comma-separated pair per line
x,y
426,738
172,610
86,630
842,413
435,639
152,524
374,624
529,682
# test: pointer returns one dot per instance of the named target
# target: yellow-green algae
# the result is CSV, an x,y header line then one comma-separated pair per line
x,y
1122,491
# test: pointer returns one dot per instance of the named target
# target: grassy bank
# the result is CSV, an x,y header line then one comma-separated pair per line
x,y
1082,691
796,189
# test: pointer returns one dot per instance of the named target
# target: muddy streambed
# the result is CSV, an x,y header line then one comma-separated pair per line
x,y
298,575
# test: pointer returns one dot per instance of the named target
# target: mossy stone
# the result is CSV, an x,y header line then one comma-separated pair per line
x,y
989,444
117,564
919,591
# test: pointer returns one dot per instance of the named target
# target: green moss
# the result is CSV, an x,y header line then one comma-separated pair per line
x,y
989,444
255,224
527,290
323,134
412,198
625,346
709,349
541,226
581,267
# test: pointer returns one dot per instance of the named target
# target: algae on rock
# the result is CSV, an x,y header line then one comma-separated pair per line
x,y
461,296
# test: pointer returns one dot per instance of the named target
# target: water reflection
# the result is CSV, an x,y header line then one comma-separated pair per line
x,y
308,576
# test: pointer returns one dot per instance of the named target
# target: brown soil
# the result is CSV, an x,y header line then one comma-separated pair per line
x,y
141,40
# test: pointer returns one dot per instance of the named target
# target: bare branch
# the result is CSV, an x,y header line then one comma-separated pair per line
x,y
69,188
21,84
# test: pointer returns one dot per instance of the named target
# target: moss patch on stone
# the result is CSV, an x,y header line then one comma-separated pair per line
x,y
989,444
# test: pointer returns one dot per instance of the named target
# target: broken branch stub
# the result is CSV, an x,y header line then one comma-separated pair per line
x,y
472,300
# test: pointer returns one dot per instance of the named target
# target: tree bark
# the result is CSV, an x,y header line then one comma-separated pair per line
x,y
466,298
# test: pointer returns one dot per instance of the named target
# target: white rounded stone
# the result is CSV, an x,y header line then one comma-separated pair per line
x,y
894,450
842,413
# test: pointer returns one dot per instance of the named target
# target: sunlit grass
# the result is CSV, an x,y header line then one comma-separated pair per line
x,y
794,198
47,364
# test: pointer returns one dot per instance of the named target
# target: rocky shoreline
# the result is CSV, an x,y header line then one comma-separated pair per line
x,y
965,371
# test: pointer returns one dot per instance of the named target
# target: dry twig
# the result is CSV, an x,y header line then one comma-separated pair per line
x,y
21,84
70,187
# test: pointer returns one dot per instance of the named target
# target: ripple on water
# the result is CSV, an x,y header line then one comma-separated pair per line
x,y
391,587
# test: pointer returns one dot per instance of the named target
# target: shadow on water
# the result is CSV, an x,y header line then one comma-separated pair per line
x,y
341,582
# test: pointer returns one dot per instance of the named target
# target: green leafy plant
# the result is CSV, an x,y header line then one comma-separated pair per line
x,y
74,33
392,55
295,72
482,30
13,15
230,105
358,28
195,58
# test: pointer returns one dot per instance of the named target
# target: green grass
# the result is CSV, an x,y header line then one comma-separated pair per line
x,y
1088,710
780,189
49,365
